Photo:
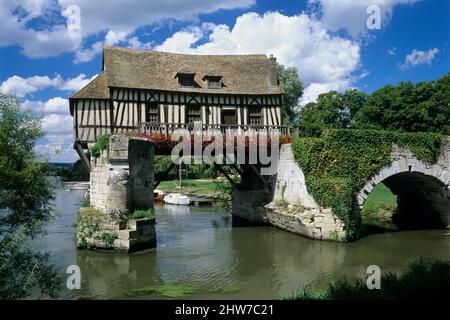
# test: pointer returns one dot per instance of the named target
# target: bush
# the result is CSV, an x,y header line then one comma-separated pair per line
x,y
140,214
101,144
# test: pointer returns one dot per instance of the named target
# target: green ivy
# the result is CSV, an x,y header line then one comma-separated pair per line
x,y
338,164
101,144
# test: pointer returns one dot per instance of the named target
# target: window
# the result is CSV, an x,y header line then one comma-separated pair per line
x,y
214,83
186,80
254,116
152,114
194,113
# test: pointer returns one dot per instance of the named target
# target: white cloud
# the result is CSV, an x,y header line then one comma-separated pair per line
x,y
19,86
55,105
181,41
117,19
324,62
417,57
117,16
135,43
351,15
392,51
58,124
76,83
57,148
88,54
49,40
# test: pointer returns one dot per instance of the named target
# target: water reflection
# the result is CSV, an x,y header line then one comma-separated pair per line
x,y
198,246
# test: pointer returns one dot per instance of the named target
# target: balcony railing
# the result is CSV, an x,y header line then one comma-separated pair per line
x,y
168,128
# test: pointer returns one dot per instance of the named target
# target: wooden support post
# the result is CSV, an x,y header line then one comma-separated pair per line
x,y
83,157
235,167
224,173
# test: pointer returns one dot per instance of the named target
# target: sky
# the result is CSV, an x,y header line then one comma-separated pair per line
x,y
49,49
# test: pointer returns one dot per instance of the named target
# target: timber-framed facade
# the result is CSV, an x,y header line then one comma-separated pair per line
x,y
157,92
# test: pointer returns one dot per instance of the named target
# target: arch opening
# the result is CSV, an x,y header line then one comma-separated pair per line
x,y
422,201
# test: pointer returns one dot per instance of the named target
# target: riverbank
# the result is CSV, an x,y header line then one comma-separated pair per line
x,y
421,279
207,187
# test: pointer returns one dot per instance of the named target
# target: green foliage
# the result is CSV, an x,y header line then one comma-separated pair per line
x,y
101,144
424,107
331,110
423,279
337,165
224,190
293,89
26,193
191,171
167,290
407,107
88,221
77,172
108,239
140,214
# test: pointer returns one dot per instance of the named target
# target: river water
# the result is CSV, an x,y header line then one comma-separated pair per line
x,y
198,246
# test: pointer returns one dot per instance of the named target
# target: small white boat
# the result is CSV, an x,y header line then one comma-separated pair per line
x,y
177,198
77,185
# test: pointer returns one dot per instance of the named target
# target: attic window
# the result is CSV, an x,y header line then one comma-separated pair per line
x,y
185,76
186,80
214,82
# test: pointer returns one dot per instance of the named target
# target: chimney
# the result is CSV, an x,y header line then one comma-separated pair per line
x,y
273,74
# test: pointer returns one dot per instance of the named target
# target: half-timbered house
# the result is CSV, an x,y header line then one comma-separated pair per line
x,y
159,91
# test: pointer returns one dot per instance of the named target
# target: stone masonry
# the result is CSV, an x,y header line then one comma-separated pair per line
x,y
121,181
294,209
422,187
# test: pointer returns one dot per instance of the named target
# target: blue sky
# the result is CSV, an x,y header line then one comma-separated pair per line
x,y
47,53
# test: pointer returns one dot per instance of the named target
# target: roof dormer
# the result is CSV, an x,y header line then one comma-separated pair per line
x,y
185,76
213,79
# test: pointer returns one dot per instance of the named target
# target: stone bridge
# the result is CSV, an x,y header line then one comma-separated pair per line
x,y
423,195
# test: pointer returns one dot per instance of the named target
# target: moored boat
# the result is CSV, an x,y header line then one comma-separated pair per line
x,y
177,198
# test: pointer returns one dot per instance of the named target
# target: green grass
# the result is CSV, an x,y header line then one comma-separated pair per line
x,y
378,210
201,187
422,279
167,290
140,214
381,198
89,214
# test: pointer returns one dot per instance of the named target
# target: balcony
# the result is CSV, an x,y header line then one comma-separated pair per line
x,y
168,128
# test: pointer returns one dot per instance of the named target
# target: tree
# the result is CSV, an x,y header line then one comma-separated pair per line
x,y
293,89
25,204
331,110
421,107
77,172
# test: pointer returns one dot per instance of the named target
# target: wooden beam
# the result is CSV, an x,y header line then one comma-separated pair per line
x,y
235,167
83,157
224,173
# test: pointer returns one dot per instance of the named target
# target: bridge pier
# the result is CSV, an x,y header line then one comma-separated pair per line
x,y
293,209
121,181
251,195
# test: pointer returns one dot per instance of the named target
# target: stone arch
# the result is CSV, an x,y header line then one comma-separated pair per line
x,y
421,189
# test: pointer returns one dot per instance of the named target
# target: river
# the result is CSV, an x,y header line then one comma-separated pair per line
x,y
197,246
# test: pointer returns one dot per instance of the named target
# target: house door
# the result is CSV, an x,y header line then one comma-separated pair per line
x,y
229,117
